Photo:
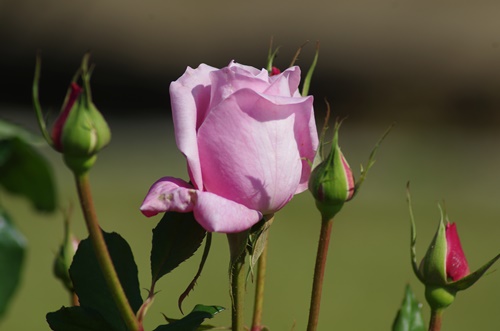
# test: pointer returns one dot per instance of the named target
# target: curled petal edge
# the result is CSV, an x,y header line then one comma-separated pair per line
x,y
213,212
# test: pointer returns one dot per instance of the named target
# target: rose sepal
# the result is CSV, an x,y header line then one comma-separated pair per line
x,y
308,78
371,161
36,102
471,279
413,242
433,266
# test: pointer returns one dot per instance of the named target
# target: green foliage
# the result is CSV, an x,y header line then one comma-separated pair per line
x,y
12,251
23,170
175,239
92,290
192,321
409,317
77,319
258,238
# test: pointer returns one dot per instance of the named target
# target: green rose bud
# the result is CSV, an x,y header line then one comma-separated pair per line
x,y
64,257
80,131
332,182
444,270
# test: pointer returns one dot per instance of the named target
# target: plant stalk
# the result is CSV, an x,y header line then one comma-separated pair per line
x,y
102,253
319,272
436,319
238,293
259,291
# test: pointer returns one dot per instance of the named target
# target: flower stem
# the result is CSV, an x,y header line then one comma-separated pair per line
x,y
102,253
319,272
259,291
436,319
238,293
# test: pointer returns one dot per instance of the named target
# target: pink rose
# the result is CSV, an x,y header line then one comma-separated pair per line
x,y
248,139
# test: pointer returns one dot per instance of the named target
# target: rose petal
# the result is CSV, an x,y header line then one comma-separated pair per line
x,y
248,70
190,98
168,194
249,148
235,77
284,84
456,263
217,214
307,141
214,213
349,178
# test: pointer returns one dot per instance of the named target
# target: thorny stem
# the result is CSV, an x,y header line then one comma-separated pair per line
x,y
259,291
319,272
238,293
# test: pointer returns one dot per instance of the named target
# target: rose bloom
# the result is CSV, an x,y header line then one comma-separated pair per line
x,y
248,139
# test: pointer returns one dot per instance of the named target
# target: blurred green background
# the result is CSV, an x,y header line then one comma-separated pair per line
x,y
432,66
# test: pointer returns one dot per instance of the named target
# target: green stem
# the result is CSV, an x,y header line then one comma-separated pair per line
x,y
319,272
102,253
259,291
238,293
436,319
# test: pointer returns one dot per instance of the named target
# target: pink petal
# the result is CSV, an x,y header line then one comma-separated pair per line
x,y
456,263
190,98
168,194
307,142
285,84
248,70
235,77
214,213
217,214
349,178
61,120
250,148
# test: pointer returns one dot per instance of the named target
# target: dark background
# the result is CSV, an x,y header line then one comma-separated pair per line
x,y
421,61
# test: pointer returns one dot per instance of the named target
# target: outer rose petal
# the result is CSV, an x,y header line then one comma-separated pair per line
x,y
167,194
249,149
190,98
214,213
217,214
307,142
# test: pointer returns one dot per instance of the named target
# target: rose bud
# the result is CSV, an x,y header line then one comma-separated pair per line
x,y
80,131
332,181
274,71
64,257
444,270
